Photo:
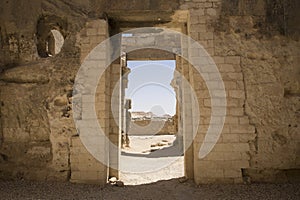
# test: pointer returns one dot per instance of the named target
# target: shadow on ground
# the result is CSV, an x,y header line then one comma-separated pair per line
x,y
167,190
172,151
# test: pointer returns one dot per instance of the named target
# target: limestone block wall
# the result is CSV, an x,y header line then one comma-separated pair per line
x,y
185,115
84,167
230,154
114,115
259,140
271,80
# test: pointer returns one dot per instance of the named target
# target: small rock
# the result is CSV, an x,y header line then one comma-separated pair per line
x,y
160,144
120,183
61,101
154,149
247,180
113,180
183,180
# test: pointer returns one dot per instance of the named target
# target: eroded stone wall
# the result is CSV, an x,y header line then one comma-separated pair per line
x,y
84,166
269,61
36,92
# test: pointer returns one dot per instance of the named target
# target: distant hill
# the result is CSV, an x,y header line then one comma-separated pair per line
x,y
148,115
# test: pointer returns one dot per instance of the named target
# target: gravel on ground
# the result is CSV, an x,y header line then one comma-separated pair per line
x,y
166,190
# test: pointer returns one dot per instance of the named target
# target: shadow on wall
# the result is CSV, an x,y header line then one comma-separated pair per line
x,y
270,17
51,31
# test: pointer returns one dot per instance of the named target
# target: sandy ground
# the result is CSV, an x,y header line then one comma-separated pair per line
x,y
166,190
150,159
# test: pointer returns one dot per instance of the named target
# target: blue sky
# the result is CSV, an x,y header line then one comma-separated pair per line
x,y
149,86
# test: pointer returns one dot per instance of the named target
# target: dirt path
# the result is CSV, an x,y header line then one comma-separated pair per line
x,y
166,190
149,159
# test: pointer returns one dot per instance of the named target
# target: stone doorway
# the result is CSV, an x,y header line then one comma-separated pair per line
x,y
184,118
152,150
105,105
128,41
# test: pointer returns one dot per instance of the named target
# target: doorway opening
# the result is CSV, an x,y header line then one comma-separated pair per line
x,y
152,149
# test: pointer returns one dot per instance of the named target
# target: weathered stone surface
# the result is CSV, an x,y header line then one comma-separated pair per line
x,y
271,79
255,45
26,74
